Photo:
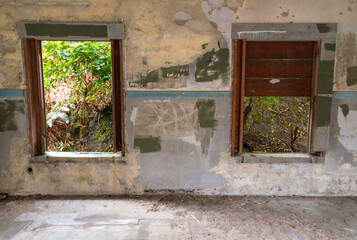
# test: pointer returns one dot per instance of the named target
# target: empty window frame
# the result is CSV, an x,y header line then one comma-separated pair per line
x,y
272,69
35,95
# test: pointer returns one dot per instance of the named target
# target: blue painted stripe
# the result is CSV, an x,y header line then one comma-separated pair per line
x,y
11,93
345,95
140,94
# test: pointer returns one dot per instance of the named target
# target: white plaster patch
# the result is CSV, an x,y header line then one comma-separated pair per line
x,y
222,17
182,16
348,130
281,167
133,115
346,167
274,80
258,34
156,101
216,3
191,140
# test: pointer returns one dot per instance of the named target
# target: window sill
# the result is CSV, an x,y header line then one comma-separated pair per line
x,y
79,157
279,158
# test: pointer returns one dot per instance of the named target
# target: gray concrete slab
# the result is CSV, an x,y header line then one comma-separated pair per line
x,y
179,217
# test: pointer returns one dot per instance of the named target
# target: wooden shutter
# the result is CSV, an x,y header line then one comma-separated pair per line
x,y
118,96
35,100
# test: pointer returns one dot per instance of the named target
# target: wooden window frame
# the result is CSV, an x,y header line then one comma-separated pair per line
x,y
35,95
238,94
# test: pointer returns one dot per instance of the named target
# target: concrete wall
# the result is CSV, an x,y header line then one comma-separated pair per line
x,y
170,46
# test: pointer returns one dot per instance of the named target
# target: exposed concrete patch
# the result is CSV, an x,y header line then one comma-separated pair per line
x,y
220,16
8,110
322,138
345,76
340,139
280,179
133,115
166,119
216,3
181,18
348,132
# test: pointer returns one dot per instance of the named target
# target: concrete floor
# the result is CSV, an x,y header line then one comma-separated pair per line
x,y
179,217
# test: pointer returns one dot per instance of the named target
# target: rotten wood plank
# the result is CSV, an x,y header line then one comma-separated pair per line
x,y
36,113
118,96
283,88
278,69
235,95
280,50
241,96
313,96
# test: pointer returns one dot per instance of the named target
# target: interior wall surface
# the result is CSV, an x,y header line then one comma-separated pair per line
x,y
178,76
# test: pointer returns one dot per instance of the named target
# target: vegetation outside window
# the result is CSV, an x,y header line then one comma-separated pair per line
x,y
273,101
86,113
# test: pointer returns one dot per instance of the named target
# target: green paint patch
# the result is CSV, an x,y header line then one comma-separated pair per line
x,y
284,14
345,109
211,65
323,28
206,112
323,115
152,76
330,46
8,109
204,45
145,61
65,30
147,144
175,71
326,77
351,76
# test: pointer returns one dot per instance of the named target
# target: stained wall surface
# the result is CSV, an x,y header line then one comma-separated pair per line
x,y
178,77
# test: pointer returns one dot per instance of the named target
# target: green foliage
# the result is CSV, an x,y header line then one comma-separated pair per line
x,y
77,83
276,124
86,66
106,130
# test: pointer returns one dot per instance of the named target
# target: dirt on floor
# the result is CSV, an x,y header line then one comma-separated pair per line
x,y
208,217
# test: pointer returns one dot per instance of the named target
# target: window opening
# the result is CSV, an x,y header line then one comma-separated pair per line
x,y
85,105
78,96
276,124
273,101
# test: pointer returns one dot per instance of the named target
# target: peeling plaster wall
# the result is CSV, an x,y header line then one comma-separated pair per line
x,y
179,140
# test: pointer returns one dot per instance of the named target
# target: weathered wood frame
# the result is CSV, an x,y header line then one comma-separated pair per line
x,y
35,91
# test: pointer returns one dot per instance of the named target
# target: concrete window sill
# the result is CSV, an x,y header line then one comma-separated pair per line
x,y
280,158
79,157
